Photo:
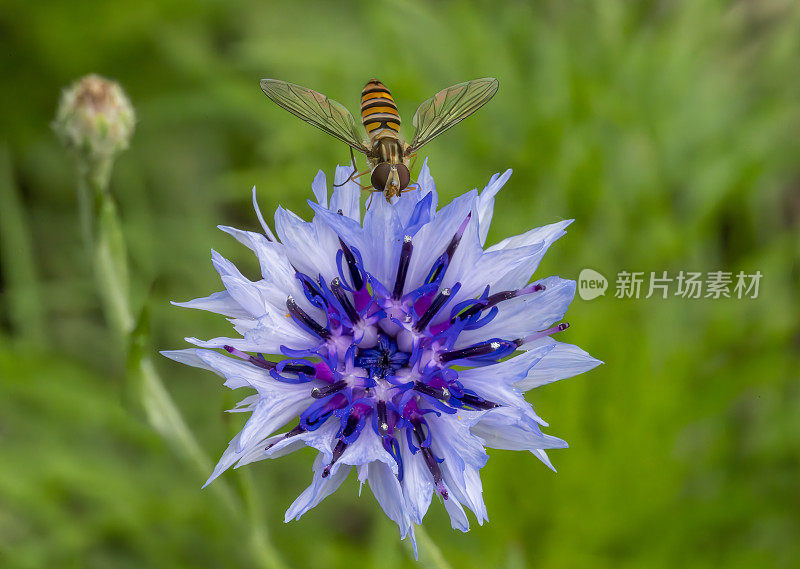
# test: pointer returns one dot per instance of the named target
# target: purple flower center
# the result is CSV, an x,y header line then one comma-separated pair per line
x,y
386,356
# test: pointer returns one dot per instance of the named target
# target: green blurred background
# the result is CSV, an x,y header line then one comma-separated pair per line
x,y
668,130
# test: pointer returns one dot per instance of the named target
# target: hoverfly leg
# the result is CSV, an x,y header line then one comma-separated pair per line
x,y
372,191
411,164
353,177
353,160
354,174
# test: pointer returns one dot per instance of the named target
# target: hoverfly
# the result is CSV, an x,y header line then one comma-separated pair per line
x,y
387,153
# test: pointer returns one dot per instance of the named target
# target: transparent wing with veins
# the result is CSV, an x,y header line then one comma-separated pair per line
x,y
449,107
316,109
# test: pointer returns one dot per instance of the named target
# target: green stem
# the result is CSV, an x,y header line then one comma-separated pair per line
x,y
110,254
105,239
430,554
162,413
262,547
22,295
85,213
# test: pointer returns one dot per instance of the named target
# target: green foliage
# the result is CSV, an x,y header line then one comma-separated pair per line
x,y
668,130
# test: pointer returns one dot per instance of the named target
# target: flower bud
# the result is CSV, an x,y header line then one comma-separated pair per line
x,y
95,117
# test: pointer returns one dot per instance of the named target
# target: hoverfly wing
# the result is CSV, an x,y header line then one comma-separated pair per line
x,y
316,109
449,107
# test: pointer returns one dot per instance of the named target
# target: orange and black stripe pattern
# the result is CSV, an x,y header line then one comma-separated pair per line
x,y
378,111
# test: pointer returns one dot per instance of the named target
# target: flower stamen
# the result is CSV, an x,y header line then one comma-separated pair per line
x,y
302,318
258,361
355,273
436,473
440,265
339,293
555,329
490,350
402,267
494,299
439,393
294,432
321,393
437,304
477,402
338,451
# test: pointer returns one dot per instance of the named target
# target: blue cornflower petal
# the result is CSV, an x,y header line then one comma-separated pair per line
x,y
320,489
346,196
486,202
320,189
564,360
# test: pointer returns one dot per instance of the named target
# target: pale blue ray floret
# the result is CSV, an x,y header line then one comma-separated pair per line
x,y
400,345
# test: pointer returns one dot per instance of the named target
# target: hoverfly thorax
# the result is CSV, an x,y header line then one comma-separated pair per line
x,y
387,154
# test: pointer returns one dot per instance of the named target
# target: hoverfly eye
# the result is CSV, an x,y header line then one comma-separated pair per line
x,y
380,175
405,176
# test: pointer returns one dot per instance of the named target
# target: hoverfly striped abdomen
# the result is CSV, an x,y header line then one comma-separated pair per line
x,y
378,111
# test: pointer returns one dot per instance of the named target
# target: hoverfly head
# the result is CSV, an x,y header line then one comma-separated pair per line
x,y
380,175
391,179
405,176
